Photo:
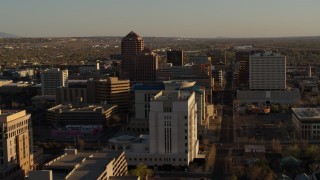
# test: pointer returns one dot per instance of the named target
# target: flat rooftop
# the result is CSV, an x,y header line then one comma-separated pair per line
x,y
142,139
307,113
172,95
123,178
267,54
10,115
83,165
71,108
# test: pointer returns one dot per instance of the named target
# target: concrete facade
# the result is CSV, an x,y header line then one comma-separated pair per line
x,y
88,165
169,111
172,138
110,90
267,97
51,79
175,57
267,71
306,123
16,158
62,115
146,66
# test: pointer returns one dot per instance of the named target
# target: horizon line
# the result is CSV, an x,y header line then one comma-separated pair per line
x,y
117,36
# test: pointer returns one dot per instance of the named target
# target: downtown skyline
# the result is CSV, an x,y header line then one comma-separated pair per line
x,y
190,19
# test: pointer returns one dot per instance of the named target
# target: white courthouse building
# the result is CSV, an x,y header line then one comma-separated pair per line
x,y
172,136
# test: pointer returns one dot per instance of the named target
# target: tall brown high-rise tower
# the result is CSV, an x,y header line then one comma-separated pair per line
x,y
131,45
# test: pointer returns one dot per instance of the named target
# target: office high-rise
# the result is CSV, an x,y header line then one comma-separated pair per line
x,y
267,71
242,56
131,45
110,90
175,57
51,79
16,144
146,66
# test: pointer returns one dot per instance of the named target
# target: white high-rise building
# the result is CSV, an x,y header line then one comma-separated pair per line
x,y
172,138
267,71
51,79
173,127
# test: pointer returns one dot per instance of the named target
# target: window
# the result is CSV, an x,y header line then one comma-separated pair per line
x,y
146,113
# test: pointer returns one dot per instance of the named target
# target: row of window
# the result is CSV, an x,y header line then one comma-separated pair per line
x,y
167,109
157,159
310,126
14,133
14,126
167,123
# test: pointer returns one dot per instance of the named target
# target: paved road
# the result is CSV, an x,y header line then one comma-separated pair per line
x,y
184,175
227,130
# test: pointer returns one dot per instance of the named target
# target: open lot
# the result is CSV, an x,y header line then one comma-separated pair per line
x,y
264,127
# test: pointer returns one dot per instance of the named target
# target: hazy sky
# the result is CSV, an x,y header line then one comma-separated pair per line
x,y
179,18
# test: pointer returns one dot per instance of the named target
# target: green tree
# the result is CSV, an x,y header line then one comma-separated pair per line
x,y
231,177
260,170
142,171
274,108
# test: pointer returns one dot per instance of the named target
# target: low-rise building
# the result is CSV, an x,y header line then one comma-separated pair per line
x,y
110,90
306,123
5,82
89,68
310,87
164,72
62,115
88,165
17,73
269,97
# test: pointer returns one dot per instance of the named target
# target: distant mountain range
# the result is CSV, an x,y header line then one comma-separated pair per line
x,y
6,35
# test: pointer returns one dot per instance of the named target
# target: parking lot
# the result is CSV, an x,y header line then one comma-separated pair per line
x,y
264,127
